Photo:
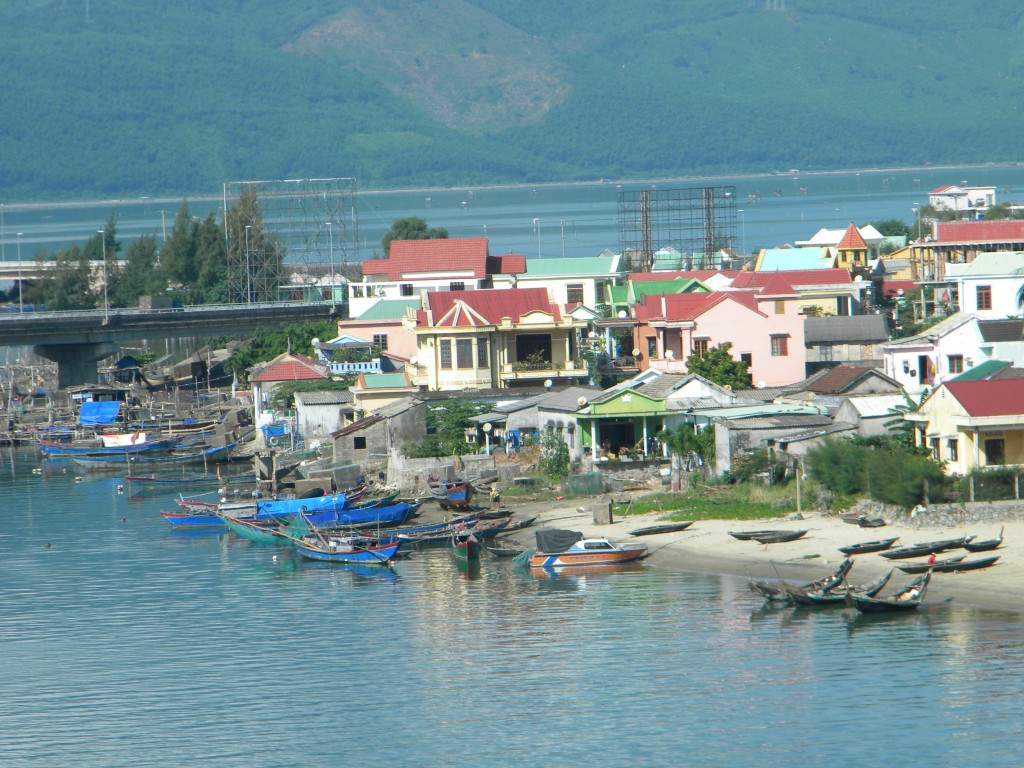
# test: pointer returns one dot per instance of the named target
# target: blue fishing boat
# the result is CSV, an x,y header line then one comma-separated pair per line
x,y
334,549
208,455
52,449
392,514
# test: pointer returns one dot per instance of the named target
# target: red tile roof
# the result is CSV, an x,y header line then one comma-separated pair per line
x,y
506,264
795,277
688,306
777,285
291,367
410,257
992,397
852,240
979,231
485,307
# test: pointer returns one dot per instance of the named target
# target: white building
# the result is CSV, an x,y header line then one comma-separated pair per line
x,y
962,199
990,285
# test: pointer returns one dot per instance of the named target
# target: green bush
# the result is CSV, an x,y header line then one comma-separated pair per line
x,y
886,470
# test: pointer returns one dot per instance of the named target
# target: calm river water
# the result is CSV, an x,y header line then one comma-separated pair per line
x,y
122,644
547,220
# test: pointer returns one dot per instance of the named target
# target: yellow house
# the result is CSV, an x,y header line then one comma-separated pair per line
x,y
495,338
852,251
973,424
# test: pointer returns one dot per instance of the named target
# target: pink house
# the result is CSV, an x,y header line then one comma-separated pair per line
x,y
764,327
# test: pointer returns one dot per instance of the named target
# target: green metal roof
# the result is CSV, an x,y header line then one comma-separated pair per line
x,y
571,267
981,371
780,259
385,381
389,309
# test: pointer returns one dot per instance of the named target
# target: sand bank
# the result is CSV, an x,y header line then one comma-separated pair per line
x,y
707,547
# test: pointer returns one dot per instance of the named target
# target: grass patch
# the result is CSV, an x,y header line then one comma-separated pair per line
x,y
743,501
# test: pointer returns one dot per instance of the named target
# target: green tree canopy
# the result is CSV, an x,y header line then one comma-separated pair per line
x,y
717,366
411,228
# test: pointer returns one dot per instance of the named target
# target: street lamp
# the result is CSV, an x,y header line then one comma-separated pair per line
x,y
536,223
743,230
106,306
21,304
330,235
917,210
248,289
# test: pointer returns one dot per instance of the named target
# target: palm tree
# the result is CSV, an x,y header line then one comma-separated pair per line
x,y
898,426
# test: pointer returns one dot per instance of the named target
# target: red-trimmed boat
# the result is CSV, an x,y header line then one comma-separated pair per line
x,y
558,548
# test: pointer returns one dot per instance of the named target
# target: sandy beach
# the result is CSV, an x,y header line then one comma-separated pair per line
x,y
707,547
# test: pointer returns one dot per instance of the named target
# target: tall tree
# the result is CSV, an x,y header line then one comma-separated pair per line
x,y
717,365
68,285
138,274
178,254
411,228
255,255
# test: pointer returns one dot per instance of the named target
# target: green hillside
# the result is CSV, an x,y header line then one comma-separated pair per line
x,y
126,97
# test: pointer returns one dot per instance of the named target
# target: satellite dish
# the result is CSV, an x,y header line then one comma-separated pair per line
x,y
622,313
636,352
899,291
316,342
669,354
548,383
591,335
581,401
413,360
486,427
761,385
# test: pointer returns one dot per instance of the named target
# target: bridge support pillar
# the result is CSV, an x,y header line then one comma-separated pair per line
x,y
76,363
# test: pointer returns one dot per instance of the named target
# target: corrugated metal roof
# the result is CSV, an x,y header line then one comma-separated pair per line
x,y
991,397
571,267
855,329
332,397
389,309
1002,330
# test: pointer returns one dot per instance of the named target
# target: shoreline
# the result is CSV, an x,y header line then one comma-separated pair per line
x,y
706,547
792,172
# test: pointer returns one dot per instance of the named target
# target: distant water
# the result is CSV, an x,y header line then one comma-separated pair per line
x,y
123,644
574,219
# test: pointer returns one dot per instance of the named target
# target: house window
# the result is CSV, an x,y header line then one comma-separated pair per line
x,y
934,442
747,359
405,289
953,449
574,293
955,363
357,291
700,347
652,346
995,452
380,340
780,346
458,285
825,353
463,353
984,293
483,359
780,307
445,351
359,443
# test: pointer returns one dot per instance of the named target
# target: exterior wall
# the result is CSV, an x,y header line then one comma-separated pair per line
x,y
367,401
750,333
1004,291
503,369
558,287
318,421
900,361
401,341
843,353
362,296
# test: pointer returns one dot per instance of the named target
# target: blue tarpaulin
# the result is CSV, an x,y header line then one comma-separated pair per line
x,y
98,413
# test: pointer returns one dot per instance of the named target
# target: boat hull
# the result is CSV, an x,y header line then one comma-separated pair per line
x,y
578,559
381,555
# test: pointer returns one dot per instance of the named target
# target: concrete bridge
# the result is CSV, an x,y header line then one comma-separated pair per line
x,y
77,340
30,269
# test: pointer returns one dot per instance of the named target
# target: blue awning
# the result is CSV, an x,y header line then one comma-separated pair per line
x,y
98,413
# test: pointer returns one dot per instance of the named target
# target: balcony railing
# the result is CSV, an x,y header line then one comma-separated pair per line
x,y
342,369
544,369
621,363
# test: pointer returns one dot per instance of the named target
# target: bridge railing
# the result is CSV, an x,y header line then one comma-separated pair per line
x,y
140,312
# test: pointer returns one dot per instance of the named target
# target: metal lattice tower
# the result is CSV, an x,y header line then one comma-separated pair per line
x,y
304,232
677,228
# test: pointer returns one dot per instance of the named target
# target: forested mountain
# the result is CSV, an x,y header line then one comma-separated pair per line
x,y
148,97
